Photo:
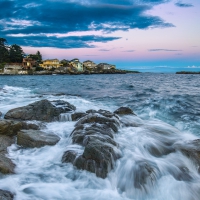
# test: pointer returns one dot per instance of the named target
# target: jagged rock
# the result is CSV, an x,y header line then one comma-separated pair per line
x,y
124,111
64,104
6,165
6,195
34,138
42,110
191,149
95,132
77,115
9,127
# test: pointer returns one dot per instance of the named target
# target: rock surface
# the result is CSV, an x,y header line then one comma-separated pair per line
x,y
191,149
124,111
6,195
95,132
42,110
9,127
35,138
77,115
6,165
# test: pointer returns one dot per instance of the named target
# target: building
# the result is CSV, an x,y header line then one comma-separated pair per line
x,y
105,66
50,63
77,64
28,63
12,68
90,65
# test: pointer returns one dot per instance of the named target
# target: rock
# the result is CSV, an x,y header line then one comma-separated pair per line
x,y
5,142
191,149
95,132
9,127
6,195
42,110
64,104
6,165
34,138
145,173
124,111
1,114
77,115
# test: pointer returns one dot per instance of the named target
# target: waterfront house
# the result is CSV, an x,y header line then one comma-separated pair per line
x,y
12,68
50,63
77,64
90,65
105,66
28,63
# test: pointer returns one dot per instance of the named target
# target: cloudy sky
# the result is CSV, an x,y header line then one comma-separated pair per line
x,y
133,34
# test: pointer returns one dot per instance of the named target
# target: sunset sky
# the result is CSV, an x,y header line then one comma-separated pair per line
x,y
146,35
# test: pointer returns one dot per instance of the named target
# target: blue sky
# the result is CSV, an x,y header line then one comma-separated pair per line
x,y
157,35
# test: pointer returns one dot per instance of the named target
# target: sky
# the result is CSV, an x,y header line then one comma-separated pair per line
x,y
143,35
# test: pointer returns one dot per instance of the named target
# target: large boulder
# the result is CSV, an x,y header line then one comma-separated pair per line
x,y
124,111
6,165
95,132
35,138
42,110
10,127
6,195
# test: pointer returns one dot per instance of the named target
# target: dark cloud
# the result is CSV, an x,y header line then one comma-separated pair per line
x,y
50,17
164,50
64,42
183,5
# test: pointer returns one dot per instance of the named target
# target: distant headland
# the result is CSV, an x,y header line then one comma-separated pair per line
x,y
187,72
14,61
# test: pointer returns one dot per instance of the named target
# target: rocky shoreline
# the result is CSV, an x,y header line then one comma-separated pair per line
x,y
94,131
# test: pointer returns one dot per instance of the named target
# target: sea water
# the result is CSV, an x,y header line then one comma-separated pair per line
x,y
168,111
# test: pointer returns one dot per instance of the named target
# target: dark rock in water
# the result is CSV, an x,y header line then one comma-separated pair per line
x,y
28,126
97,118
91,111
34,138
77,115
191,149
42,110
1,114
124,111
145,173
95,132
6,195
6,165
64,104
9,127
69,156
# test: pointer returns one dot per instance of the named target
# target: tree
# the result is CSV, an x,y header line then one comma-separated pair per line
x,y
4,51
16,53
39,56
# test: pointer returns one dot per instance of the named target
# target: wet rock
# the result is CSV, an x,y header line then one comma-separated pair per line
x,y
42,110
6,165
34,138
97,118
69,156
64,104
95,132
145,173
77,115
9,127
124,111
1,114
191,149
6,195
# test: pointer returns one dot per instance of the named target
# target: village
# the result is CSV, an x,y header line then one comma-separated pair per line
x,y
29,66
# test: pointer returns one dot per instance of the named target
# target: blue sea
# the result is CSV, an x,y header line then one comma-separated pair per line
x,y
167,108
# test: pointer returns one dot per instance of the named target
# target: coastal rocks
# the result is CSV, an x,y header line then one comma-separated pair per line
x,y
95,132
6,195
191,149
35,138
42,110
77,115
6,165
124,111
0,114
9,127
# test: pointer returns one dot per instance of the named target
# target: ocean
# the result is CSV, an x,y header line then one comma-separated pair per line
x,y
168,112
